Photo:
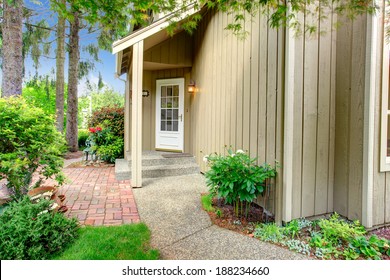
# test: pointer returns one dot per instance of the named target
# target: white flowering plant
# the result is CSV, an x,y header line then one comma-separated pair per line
x,y
237,178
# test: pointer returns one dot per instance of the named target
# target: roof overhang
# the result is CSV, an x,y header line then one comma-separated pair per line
x,y
152,35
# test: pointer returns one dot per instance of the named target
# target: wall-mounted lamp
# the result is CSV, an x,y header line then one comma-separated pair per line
x,y
145,93
191,87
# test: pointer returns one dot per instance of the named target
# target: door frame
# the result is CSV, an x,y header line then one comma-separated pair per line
x,y
167,82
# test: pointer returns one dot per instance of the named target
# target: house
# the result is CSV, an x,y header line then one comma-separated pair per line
x,y
317,103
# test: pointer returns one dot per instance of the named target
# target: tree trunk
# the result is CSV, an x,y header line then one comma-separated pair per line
x,y
73,71
60,61
12,48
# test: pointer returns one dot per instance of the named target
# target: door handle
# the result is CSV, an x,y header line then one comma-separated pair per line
x,y
181,117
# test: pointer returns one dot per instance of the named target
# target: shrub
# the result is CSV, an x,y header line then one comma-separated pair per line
x,y
28,233
29,142
237,178
112,117
112,151
106,133
82,137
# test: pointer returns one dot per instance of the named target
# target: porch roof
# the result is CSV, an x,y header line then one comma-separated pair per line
x,y
151,35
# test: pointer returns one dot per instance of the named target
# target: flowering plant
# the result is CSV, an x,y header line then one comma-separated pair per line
x,y
103,143
93,138
236,178
95,129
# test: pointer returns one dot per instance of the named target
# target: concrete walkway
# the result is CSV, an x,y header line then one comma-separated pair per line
x,y
181,230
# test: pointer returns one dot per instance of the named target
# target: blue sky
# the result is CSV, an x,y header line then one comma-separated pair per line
x,y
106,67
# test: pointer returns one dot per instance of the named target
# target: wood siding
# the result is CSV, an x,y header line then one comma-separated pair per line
x,y
176,51
350,69
239,102
313,133
381,184
350,119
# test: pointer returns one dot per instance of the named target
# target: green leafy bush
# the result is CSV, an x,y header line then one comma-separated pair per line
x,y
112,151
82,137
112,117
29,143
237,178
28,232
104,143
106,133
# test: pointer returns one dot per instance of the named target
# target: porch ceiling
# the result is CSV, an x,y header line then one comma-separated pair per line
x,y
151,66
152,35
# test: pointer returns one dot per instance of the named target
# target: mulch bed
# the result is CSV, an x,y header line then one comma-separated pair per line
x,y
244,224
382,232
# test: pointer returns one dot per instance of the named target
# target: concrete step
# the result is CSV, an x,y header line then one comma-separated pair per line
x,y
157,167
155,161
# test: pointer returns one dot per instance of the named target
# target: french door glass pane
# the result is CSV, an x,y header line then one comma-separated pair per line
x,y
163,114
169,102
175,114
163,103
163,91
175,103
169,126
169,114
175,126
169,108
169,91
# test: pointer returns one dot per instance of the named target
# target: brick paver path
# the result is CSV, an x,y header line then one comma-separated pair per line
x,y
95,197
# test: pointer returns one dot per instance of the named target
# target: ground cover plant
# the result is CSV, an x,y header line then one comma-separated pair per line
x,y
327,238
331,238
125,242
30,232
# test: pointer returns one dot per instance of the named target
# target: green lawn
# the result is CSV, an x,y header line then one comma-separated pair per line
x,y
125,242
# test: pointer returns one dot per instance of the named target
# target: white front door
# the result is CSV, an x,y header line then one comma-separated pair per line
x,y
170,114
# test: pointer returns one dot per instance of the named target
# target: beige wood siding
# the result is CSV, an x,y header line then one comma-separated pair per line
x,y
313,123
351,68
174,52
239,101
351,51
381,186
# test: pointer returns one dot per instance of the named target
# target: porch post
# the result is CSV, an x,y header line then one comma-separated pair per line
x,y
127,120
136,115
369,121
288,125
